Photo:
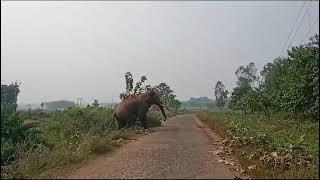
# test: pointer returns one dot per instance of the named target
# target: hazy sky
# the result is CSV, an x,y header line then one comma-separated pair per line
x,y
65,50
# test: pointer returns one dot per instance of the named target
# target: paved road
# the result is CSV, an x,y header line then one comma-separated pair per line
x,y
178,150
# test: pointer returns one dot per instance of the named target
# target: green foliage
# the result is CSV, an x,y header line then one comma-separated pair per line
x,y
293,82
13,130
33,114
254,101
288,84
246,78
59,105
167,97
9,95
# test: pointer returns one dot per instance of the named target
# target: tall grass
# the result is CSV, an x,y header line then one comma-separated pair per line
x,y
64,138
254,137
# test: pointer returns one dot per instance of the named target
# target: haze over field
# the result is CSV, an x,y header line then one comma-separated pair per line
x,y
65,50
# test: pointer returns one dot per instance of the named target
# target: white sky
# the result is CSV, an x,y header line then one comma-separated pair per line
x,y
65,50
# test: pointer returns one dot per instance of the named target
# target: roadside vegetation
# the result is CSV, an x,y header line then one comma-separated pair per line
x,y
34,142
276,148
272,120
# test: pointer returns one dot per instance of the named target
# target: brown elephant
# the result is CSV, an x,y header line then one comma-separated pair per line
x,y
136,107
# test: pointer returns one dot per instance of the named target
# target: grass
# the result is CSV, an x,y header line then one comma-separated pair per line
x,y
253,138
65,138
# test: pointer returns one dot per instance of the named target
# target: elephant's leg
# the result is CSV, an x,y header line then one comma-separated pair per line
x,y
131,120
141,116
131,123
126,119
120,124
143,120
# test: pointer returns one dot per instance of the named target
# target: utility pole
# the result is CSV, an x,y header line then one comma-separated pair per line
x,y
80,101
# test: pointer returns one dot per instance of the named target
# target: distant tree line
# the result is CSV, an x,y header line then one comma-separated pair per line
x,y
61,104
201,102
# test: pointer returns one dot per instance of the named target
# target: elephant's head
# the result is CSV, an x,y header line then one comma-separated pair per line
x,y
153,98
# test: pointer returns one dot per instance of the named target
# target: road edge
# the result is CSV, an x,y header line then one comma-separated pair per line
x,y
213,136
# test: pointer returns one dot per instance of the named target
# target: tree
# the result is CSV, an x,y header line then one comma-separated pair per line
x,y
176,105
95,103
129,83
288,84
221,94
166,95
293,82
9,94
247,78
12,128
139,88
42,105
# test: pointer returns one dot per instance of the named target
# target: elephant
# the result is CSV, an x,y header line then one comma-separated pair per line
x,y
136,107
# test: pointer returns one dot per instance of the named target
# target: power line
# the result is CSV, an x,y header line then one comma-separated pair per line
x,y
300,10
299,26
309,30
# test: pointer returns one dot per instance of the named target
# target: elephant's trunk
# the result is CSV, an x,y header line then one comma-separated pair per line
x,y
162,111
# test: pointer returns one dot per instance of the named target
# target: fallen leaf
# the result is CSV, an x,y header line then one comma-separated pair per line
x,y
288,157
291,146
251,156
217,152
274,154
120,140
252,167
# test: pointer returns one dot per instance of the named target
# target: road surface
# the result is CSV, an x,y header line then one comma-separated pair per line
x,y
180,149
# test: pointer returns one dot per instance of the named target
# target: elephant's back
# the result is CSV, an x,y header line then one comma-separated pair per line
x,y
127,106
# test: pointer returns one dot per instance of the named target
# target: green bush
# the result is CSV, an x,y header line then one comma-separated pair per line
x,y
12,131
